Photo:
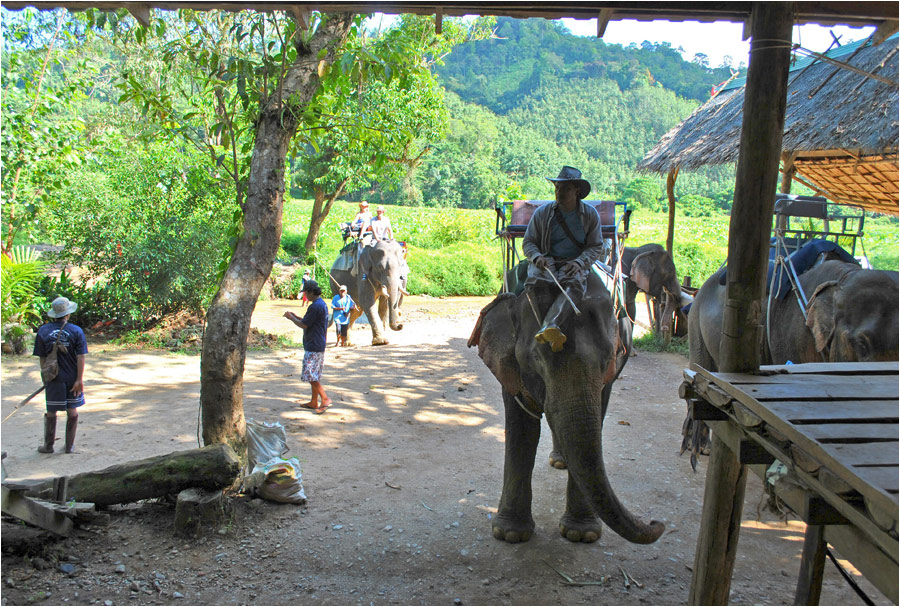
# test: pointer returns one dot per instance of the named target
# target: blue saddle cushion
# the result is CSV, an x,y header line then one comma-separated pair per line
x,y
802,260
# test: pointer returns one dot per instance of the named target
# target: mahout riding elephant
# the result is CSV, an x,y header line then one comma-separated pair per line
x,y
377,287
852,315
650,269
572,388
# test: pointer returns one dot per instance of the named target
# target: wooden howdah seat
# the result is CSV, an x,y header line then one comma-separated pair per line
x,y
519,213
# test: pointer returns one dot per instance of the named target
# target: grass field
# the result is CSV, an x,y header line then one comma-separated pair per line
x,y
454,252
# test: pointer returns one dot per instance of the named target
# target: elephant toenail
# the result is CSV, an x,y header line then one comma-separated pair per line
x,y
498,533
590,537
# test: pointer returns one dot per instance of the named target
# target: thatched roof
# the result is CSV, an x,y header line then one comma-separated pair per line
x,y
842,127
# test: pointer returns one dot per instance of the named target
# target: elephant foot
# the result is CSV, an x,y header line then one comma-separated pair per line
x,y
379,341
580,530
557,460
512,531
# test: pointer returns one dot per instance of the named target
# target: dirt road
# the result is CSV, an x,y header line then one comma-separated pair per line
x,y
403,475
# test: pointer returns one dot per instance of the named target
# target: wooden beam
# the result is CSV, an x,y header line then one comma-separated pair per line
x,y
757,176
884,31
141,13
438,20
301,16
603,19
670,193
17,505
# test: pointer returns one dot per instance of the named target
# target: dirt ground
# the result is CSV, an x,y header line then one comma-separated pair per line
x,y
403,475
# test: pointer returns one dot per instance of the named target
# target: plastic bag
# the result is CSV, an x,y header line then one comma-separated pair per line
x,y
278,480
265,441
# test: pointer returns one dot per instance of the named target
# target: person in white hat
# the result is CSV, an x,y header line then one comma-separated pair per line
x,y
563,239
341,304
65,392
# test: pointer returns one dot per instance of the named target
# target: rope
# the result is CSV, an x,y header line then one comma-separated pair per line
x,y
851,581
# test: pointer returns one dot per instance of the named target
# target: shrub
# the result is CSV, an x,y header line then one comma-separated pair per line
x,y
148,227
460,269
20,275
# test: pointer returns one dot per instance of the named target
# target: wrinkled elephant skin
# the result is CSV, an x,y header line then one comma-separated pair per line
x,y
650,269
572,389
852,316
378,287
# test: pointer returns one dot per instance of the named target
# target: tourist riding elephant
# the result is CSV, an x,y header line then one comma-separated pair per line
x,y
377,286
852,315
650,269
572,387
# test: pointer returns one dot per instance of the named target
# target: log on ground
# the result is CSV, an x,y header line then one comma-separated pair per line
x,y
210,468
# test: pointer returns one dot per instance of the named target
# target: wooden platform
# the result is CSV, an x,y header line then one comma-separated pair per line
x,y
835,427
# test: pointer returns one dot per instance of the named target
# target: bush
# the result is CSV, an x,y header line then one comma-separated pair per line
x,y
460,269
148,226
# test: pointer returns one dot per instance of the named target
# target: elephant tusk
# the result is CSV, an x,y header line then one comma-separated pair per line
x,y
404,292
384,292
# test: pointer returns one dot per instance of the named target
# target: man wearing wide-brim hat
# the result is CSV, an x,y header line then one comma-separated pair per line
x,y
562,238
65,391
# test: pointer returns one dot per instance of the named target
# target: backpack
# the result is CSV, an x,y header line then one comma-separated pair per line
x,y
50,364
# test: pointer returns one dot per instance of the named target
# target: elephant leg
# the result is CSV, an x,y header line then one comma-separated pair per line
x,y
556,457
514,522
374,316
579,523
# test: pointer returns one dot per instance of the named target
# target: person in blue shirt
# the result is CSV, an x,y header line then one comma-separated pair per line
x,y
66,391
315,327
341,304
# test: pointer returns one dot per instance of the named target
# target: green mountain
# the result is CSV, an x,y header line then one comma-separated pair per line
x,y
535,97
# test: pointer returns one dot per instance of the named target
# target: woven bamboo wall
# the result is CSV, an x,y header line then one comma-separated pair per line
x,y
869,181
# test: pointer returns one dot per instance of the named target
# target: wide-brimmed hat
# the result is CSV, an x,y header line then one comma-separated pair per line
x,y
379,209
342,288
364,203
61,307
572,174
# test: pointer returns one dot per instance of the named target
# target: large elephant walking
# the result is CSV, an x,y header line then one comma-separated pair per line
x,y
377,285
572,388
851,315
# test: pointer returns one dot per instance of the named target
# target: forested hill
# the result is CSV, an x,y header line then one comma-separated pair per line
x,y
535,97
526,54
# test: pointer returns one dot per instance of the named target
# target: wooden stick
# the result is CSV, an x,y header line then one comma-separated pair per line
x,y
553,276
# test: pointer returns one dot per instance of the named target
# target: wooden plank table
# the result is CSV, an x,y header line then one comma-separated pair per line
x,y
834,426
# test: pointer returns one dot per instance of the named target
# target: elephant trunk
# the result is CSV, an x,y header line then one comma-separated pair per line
x,y
578,422
394,308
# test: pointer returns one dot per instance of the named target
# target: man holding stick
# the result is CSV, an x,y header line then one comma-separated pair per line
x,y
562,242
315,325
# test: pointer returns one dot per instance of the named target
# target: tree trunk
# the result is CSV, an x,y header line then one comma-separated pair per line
x,y
211,468
322,204
228,317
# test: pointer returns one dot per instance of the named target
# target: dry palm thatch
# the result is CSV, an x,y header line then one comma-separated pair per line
x,y
841,128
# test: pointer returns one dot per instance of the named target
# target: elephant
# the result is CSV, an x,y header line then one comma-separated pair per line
x,y
851,315
377,287
650,269
572,387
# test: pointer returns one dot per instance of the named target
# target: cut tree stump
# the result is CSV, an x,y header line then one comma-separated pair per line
x,y
210,468
198,511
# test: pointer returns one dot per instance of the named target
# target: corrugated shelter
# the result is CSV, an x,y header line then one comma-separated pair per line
x,y
840,132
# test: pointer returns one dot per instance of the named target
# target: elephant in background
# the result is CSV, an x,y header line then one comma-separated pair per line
x,y
377,286
572,387
852,315
650,269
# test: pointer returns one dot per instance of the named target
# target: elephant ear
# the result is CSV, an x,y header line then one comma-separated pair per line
x,y
495,336
820,314
642,270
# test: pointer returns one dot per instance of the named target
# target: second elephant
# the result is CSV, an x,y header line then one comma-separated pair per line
x,y
650,269
377,285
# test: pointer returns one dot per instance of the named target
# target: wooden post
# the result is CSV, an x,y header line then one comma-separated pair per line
x,y
812,566
788,171
670,192
748,244
720,525
757,176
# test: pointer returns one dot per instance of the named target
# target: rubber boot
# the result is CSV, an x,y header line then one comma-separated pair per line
x,y
71,426
49,434
550,332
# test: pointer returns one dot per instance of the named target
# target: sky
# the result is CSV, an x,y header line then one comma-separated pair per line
x,y
715,40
